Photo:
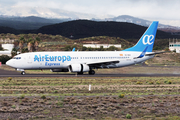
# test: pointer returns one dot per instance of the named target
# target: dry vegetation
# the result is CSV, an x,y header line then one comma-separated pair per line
x,y
109,98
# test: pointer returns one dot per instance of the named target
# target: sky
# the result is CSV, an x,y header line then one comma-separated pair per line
x,y
165,11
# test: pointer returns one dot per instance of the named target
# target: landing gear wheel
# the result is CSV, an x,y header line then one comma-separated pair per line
x,y
23,73
80,73
91,72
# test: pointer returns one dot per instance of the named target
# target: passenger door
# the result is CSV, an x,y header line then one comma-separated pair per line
x,y
29,59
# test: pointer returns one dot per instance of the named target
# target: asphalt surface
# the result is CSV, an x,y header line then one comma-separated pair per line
x,y
5,73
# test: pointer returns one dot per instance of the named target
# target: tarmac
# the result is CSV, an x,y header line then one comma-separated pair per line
x,y
5,73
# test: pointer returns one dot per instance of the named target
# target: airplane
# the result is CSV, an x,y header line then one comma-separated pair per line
x,y
86,61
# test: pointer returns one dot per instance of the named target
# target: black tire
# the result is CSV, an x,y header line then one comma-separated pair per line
x,y
91,72
80,73
23,73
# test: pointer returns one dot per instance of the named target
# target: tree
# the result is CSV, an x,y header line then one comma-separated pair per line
x,y
31,44
36,44
21,44
84,48
101,48
4,58
14,52
89,49
38,39
67,48
112,48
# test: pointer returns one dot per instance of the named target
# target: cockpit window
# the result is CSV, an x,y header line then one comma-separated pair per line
x,y
17,58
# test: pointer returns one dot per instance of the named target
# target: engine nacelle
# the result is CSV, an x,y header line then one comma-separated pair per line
x,y
79,68
59,70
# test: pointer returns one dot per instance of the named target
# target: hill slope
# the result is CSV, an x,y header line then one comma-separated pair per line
x,y
8,30
85,28
27,23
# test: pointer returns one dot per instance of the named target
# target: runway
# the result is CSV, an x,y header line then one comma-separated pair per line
x,y
5,73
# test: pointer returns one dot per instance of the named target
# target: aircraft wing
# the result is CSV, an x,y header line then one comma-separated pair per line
x,y
102,63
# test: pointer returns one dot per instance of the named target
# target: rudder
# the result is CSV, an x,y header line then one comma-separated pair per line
x,y
147,39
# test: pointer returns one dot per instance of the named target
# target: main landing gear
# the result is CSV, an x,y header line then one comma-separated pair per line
x,y
91,72
80,73
23,73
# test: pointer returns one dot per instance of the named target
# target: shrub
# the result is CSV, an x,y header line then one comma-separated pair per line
x,y
151,82
138,82
121,96
168,82
128,116
157,82
55,91
22,96
4,58
9,78
59,104
43,97
165,81
13,106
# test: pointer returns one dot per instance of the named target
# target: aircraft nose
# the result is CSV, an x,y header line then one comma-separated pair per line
x,y
9,63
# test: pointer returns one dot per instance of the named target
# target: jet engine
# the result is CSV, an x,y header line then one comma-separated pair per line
x,y
79,68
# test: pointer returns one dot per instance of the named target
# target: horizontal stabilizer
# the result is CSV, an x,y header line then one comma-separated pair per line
x,y
142,54
154,53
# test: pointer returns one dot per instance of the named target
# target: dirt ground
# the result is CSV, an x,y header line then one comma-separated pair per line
x,y
99,107
109,98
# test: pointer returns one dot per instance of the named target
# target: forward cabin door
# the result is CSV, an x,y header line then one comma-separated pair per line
x,y
29,59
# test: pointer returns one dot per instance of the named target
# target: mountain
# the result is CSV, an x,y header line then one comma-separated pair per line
x,y
25,12
9,30
130,19
138,21
24,18
86,28
27,23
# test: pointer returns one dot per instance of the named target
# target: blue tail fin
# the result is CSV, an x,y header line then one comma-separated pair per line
x,y
147,40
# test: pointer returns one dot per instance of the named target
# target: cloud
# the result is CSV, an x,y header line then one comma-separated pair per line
x,y
137,8
150,9
7,3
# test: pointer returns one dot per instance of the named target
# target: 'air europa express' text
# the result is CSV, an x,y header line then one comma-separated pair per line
x,y
51,58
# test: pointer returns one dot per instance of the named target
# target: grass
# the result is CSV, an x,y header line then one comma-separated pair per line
x,y
105,86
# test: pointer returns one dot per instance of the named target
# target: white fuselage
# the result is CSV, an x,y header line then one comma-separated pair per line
x,y
58,60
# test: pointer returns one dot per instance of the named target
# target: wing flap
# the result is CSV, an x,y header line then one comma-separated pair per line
x,y
100,63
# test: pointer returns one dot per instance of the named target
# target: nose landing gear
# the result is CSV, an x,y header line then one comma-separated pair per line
x,y
23,73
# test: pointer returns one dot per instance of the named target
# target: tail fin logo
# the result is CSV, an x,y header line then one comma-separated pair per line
x,y
148,39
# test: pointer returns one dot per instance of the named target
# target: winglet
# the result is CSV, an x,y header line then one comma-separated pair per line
x,y
73,49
